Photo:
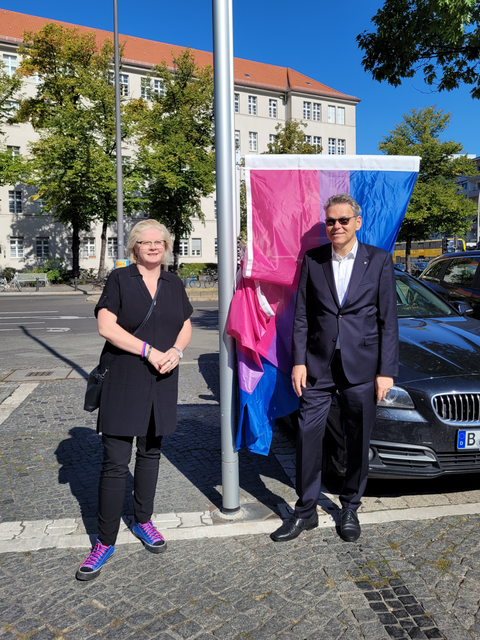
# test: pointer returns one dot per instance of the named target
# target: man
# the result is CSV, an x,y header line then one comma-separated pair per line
x,y
345,341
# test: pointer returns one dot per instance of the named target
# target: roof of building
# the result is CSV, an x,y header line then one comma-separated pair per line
x,y
148,53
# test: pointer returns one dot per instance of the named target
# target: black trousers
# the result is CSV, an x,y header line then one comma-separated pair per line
x,y
358,413
117,452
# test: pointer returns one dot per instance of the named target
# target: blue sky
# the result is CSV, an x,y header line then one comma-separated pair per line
x,y
317,39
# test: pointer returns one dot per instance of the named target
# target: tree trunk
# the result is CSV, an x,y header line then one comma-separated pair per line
x,y
408,259
103,250
75,250
176,253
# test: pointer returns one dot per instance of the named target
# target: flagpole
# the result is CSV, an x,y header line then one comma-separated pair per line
x,y
227,249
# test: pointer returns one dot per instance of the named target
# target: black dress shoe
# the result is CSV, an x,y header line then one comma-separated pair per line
x,y
349,526
294,527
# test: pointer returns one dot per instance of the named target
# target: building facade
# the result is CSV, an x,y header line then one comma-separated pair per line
x,y
265,95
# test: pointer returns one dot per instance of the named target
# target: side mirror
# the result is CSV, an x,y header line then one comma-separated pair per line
x,y
464,308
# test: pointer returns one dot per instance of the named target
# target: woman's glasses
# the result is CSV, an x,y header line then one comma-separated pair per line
x,y
148,243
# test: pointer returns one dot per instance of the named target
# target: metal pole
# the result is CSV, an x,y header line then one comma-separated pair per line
x,y
225,175
118,137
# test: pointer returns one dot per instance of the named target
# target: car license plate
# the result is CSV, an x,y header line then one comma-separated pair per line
x,y
468,439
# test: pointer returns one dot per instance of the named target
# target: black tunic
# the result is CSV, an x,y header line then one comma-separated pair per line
x,y
132,386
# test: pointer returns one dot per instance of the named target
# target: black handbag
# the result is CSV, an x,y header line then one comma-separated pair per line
x,y
96,378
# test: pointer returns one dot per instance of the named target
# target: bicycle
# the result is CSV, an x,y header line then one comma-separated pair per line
x,y
210,280
9,286
191,281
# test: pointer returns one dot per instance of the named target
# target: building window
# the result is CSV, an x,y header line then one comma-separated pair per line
x,y
42,248
237,139
272,108
307,110
123,83
10,63
341,115
331,114
88,248
145,88
35,78
15,201
317,142
11,106
341,147
123,79
183,251
271,138
253,141
317,111
16,247
196,246
15,151
216,247
112,251
237,102
215,208
307,139
159,88
252,105
331,146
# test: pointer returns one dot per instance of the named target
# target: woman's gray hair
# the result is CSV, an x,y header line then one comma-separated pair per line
x,y
137,231
343,198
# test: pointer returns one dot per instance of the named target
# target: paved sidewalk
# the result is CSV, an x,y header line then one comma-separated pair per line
x,y
414,573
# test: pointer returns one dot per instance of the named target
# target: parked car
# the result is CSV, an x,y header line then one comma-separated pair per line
x,y
418,267
456,277
429,423
399,266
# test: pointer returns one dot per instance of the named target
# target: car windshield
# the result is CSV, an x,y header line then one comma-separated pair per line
x,y
415,300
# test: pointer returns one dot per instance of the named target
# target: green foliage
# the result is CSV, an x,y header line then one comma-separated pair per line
x,y
55,268
441,37
175,138
194,269
291,139
73,164
435,206
10,165
9,272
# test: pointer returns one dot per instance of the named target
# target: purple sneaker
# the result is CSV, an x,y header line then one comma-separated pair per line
x,y
91,566
151,538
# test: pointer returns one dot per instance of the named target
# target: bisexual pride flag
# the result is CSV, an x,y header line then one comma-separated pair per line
x,y
285,217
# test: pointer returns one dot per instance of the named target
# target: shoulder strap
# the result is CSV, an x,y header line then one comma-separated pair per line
x,y
154,302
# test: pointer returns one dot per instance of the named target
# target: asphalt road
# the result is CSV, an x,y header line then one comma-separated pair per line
x,y
62,331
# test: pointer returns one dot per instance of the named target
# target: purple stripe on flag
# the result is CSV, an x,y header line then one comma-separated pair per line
x,y
249,373
331,183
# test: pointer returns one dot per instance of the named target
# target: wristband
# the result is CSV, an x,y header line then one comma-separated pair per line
x,y
149,351
180,353
144,348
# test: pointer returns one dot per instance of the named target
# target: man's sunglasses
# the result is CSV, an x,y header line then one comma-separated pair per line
x,y
330,222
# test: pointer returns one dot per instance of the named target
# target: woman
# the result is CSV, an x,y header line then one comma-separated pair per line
x,y
139,394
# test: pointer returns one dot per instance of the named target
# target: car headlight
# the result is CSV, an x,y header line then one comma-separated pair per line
x,y
397,398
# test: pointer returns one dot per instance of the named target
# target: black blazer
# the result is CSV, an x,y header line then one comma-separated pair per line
x,y
366,322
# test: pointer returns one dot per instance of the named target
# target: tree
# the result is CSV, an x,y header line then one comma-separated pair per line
x,y
435,207
9,162
291,139
441,37
73,164
175,138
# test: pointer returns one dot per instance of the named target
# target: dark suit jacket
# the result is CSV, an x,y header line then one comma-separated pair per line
x,y
366,322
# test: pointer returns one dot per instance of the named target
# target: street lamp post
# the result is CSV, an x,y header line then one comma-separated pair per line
x,y
118,139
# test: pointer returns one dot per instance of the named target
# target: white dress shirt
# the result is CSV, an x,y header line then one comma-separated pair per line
x,y
342,273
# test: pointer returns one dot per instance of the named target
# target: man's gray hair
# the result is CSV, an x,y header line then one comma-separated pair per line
x,y
343,198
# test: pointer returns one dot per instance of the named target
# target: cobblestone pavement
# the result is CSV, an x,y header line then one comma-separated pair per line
x,y
416,580
412,578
